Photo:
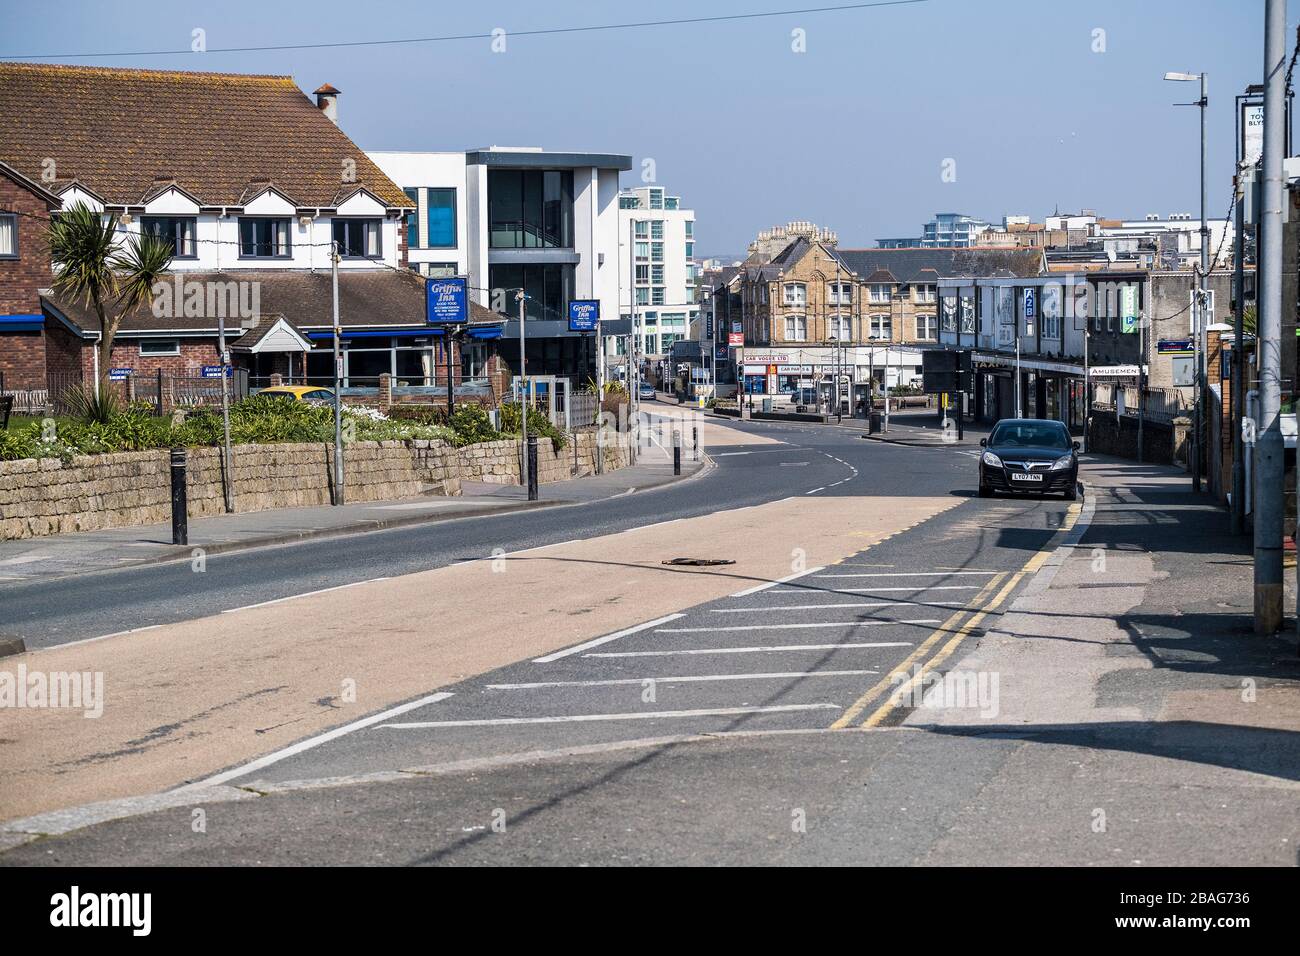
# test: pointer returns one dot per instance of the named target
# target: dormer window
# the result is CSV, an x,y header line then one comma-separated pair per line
x,y
178,231
263,238
358,238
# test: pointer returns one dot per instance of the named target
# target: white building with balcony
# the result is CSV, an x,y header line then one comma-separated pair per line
x,y
658,279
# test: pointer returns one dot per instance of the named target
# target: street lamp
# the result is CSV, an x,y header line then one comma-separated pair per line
x,y
1198,314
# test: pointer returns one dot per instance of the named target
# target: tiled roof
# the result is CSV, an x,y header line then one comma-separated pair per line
x,y
122,132
372,299
909,265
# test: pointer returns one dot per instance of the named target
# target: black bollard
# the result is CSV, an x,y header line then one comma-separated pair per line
x,y
677,452
532,467
180,501
695,436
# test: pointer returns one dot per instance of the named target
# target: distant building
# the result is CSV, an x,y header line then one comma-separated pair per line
x,y
663,282
952,230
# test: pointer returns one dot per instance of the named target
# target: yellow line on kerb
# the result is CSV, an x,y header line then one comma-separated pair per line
x,y
962,632
859,705
977,609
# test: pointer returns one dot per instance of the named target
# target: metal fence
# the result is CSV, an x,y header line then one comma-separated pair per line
x,y
1160,404
166,392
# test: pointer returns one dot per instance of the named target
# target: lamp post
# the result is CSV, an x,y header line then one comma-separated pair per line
x,y
1198,314
523,397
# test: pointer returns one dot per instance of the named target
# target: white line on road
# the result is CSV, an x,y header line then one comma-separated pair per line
x,y
903,574
91,640
294,597
815,490
790,627
917,589
770,584
751,650
596,642
812,607
677,680
580,718
316,741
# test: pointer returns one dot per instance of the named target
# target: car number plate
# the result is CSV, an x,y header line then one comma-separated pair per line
x,y
1026,477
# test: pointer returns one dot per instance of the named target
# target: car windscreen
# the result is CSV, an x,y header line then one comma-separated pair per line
x,y
1030,434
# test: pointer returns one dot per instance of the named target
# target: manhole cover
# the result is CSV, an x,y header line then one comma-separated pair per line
x,y
699,562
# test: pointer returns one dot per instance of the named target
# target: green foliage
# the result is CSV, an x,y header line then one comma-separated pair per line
x,y
87,405
538,424
471,425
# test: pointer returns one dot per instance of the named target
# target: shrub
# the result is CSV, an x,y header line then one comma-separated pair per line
x,y
471,425
90,406
538,424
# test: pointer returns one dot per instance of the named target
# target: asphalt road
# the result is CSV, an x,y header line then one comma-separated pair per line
x,y
820,460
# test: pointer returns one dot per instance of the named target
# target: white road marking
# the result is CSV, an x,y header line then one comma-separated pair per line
x,y
729,454
810,607
26,559
676,680
91,640
815,490
751,650
790,627
310,742
596,642
903,574
769,584
918,588
580,718
294,597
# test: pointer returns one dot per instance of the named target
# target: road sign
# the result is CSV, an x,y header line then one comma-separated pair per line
x,y
1174,347
120,374
446,301
945,370
735,338
214,371
584,315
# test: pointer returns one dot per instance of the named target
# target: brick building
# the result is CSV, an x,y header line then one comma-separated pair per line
x,y
24,271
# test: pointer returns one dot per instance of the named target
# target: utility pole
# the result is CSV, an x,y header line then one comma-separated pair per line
x,y
338,382
228,466
520,297
1269,446
1238,365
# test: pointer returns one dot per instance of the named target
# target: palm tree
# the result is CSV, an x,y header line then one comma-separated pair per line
x,y
114,280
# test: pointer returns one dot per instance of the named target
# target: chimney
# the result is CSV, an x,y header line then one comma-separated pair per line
x,y
327,100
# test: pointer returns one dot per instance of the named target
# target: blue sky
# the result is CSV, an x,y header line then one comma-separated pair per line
x,y
851,134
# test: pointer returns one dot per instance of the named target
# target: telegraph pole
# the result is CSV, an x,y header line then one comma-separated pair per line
x,y
338,382
1269,447
1238,365
523,399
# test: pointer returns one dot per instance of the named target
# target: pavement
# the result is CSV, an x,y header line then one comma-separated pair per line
x,y
1117,709
84,552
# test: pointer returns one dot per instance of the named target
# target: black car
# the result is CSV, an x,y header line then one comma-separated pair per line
x,y
1029,454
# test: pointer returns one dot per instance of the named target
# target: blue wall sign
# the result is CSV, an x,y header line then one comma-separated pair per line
x,y
446,300
120,374
214,371
584,315
1031,302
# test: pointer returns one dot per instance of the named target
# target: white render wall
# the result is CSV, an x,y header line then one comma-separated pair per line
x,y
678,291
441,170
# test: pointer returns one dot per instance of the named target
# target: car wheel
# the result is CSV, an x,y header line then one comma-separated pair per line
x,y
986,491
1073,493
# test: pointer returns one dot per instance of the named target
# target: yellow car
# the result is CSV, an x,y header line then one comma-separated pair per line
x,y
301,393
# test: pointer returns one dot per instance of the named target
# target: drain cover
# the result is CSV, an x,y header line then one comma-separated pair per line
x,y
698,562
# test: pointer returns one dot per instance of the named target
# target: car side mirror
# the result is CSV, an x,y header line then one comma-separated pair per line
x,y
984,442
1074,445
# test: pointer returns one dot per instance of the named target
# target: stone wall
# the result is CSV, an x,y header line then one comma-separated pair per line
x,y
47,496
1162,443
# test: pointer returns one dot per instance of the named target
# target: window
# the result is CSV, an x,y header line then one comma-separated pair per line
x,y
643,251
413,219
440,270
643,274
160,347
440,216
548,286
656,199
357,238
796,294
840,293
178,231
927,328
530,208
690,250
643,296
923,293
657,274
8,236
657,229
671,202
690,228
882,327
796,328
263,238
656,252
642,229
628,202
881,293
657,295
841,328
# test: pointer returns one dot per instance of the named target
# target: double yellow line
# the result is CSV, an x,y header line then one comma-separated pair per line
x,y
989,599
